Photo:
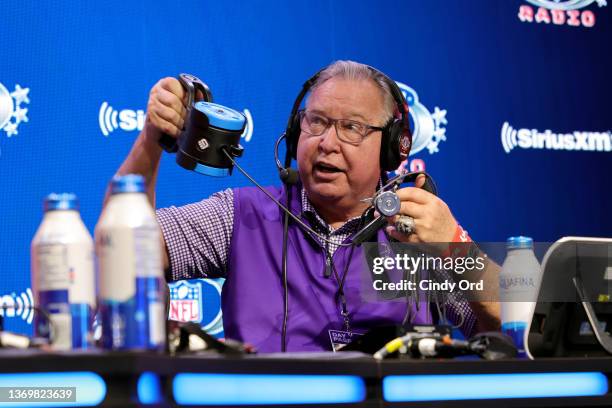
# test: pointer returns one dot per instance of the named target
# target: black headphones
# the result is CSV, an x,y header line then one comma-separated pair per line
x,y
396,136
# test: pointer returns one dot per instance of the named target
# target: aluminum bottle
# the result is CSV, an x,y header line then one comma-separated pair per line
x,y
63,276
130,276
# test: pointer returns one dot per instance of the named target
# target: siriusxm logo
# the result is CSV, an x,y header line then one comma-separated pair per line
x,y
129,120
566,4
111,119
12,114
560,12
21,305
575,141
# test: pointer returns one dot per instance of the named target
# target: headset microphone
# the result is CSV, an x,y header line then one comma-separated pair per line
x,y
287,175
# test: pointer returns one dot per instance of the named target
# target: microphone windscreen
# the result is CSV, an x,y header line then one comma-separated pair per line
x,y
289,176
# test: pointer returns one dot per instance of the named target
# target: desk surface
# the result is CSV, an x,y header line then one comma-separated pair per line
x,y
386,383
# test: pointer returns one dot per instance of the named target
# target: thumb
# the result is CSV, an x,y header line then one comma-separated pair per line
x,y
420,181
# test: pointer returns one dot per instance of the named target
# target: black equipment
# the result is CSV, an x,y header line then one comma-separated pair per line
x,y
430,341
210,129
190,338
573,314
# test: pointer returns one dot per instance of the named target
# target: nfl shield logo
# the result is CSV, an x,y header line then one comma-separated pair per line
x,y
185,302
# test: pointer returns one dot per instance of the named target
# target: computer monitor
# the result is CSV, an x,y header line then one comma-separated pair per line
x,y
573,315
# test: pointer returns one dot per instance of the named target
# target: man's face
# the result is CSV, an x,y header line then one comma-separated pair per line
x,y
334,172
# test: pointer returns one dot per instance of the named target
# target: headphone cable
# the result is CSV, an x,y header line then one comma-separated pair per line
x,y
279,204
285,280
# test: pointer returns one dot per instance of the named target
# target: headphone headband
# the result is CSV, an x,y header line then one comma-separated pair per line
x,y
396,139
396,93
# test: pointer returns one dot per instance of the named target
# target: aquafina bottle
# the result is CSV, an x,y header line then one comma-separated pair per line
x,y
519,282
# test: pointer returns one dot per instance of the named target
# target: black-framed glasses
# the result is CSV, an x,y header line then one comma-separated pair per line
x,y
348,131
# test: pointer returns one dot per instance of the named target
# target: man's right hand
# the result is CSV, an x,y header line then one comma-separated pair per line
x,y
166,112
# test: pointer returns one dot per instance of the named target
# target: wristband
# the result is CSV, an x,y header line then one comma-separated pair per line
x,y
460,245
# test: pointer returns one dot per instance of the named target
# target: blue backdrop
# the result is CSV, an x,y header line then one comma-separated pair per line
x,y
510,100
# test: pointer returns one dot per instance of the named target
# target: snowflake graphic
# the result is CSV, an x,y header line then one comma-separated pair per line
x,y
12,114
439,133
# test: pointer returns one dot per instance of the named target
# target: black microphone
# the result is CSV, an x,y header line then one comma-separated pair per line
x,y
287,175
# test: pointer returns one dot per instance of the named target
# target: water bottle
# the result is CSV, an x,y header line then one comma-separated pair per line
x,y
130,276
519,283
63,277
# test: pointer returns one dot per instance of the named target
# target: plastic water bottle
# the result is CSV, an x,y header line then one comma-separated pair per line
x,y
130,276
519,282
63,277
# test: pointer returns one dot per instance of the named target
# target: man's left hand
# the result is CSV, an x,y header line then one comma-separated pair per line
x,y
433,220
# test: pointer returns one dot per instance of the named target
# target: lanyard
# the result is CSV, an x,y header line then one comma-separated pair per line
x,y
341,280
330,268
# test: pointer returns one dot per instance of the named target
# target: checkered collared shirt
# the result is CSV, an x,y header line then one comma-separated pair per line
x,y
198,238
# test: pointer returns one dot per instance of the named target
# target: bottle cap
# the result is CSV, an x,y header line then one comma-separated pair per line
x,y
62,201
129,183
519,242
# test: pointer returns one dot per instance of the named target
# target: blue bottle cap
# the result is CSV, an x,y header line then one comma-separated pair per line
x,y
221,116
129,183
62,201
519,242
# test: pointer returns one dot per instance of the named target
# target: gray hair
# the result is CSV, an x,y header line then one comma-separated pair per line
x,y
356,71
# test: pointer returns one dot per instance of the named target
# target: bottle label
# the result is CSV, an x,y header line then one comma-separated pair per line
x,y
63,274
146,250
139,322
124,255
157,322
517,331
57,321
524,283
52,265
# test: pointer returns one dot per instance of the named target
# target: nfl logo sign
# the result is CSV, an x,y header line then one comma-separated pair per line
x,y
185,302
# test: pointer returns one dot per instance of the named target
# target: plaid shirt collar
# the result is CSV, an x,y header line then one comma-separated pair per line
x,y
309,211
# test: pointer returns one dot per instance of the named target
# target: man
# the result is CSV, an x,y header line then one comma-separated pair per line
x,y
237,234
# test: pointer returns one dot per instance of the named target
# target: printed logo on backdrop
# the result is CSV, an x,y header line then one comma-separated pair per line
x,y
18,305
534,139
428,129
575,13
198,301
12,112
111,119
132,120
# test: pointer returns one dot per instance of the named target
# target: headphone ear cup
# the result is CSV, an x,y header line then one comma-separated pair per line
x,y
293,134
390,152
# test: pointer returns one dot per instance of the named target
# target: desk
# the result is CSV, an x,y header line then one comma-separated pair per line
x,y
129,379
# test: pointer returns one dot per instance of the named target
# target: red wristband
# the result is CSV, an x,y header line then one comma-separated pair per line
x,y
461,238
461,235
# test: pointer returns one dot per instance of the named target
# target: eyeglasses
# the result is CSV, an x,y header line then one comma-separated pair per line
x,y
348,131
